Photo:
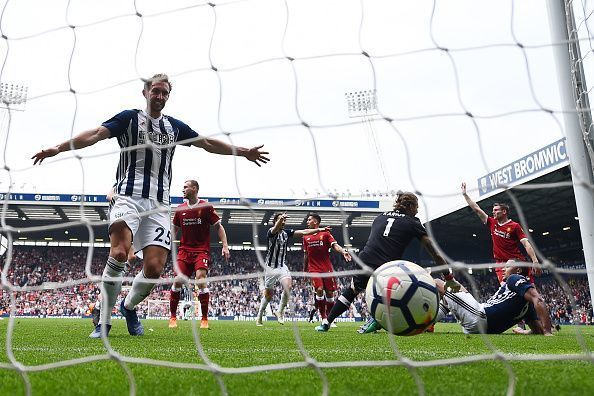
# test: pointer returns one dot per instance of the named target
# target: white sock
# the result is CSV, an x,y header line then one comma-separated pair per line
x,y
283,301
110,288
263,305
139,291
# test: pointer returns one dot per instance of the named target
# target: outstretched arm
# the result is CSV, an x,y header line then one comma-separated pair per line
x,y
215,146
300,233
223,238
473,205
427,244
337,248
82,140
451,283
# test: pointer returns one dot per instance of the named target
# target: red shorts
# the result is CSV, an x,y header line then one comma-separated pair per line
x,y
190,262
326,283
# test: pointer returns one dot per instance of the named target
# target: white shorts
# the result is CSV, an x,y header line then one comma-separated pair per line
x,y
147,229
469,312
274,275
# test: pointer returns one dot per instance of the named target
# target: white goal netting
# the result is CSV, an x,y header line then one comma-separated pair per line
x,y
352,99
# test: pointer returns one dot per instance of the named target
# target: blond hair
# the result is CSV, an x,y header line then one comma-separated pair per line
x,y
159,77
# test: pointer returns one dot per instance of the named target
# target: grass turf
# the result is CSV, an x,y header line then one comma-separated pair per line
x,y
242,344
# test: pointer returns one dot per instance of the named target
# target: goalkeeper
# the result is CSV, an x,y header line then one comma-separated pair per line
x,y
391,232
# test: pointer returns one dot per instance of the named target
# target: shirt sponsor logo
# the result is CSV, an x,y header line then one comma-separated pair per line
x,y
157,138
502,234
192,221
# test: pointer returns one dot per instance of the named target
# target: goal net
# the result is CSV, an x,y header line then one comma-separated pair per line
x,y
353,99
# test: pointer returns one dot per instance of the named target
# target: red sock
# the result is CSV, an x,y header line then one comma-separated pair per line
x,y
204,297
173,302
321,306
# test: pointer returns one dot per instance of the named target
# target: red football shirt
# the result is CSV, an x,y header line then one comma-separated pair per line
x,y
505,240
317,247
195,225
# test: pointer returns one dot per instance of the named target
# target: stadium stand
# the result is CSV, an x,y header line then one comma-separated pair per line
x,y
34,266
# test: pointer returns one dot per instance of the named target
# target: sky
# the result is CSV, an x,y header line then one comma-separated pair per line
x,y
79,77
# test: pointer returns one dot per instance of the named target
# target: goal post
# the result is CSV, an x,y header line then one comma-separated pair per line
x,y
570,78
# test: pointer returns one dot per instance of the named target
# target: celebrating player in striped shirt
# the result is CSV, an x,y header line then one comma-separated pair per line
x,y
276,264
148,140
194,218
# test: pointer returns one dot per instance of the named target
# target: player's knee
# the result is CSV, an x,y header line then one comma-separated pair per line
x,y
319,291
119,253
153,269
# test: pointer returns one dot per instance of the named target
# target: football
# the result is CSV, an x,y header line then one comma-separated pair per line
x,y
402,297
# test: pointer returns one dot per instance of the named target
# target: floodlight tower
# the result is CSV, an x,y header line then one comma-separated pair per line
x,y
363,104
13,96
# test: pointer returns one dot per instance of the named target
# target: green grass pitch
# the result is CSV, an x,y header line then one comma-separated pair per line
x,y
242,344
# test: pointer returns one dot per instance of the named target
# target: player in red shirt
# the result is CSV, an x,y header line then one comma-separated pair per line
x,y
316,259
194,217
505,234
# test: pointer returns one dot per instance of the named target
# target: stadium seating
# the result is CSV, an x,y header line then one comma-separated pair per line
x,y
34,266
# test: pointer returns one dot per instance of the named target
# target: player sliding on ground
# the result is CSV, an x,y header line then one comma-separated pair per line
x,y
194,218
276,264
516,300
142,184
391,232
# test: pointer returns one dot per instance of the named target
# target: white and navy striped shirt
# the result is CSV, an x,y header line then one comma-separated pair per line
x,y
186,294
276,256
146,172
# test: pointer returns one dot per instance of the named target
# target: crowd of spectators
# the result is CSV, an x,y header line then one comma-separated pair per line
x,y
54,282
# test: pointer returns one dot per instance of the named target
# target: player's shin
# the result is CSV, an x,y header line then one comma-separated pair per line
x,y
342,305
174,296
329,304
204,297
141,288
321,306
284,300
110,288
263,305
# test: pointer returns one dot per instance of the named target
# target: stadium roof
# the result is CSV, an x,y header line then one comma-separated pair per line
x,y
62,218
